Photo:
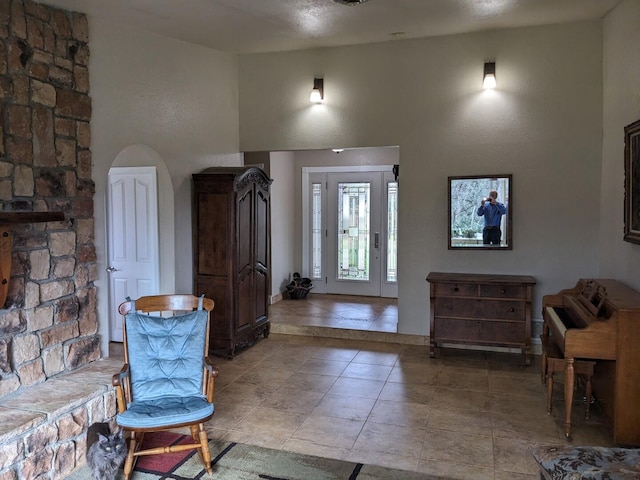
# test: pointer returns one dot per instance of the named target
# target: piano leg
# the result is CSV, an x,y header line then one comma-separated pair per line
x,y
569,381
549,392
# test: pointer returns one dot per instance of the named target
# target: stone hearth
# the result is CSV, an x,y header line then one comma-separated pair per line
x,y
43,428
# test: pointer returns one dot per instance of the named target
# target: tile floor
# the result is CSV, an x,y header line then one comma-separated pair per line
x,y
465,414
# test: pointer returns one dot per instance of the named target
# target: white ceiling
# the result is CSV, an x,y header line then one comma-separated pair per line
x,y
251,26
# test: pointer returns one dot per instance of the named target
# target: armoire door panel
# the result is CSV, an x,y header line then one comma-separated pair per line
x,y
262,237
245,230
213,243
223,307
262,294
245,302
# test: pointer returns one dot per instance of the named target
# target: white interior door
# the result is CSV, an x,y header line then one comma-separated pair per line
x,y
132,218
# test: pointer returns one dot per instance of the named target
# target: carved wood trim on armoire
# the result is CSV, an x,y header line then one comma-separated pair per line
x,y
231,253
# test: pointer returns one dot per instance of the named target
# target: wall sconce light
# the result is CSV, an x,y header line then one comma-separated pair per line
x,y
317,94
489,80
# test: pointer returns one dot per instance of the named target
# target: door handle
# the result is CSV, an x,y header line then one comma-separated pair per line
x,y
112,269
376,241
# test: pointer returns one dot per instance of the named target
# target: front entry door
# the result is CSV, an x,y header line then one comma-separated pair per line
x,y
354,235
132,238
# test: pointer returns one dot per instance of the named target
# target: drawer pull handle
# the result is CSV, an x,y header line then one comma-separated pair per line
x,y
503,291
512,309
455,289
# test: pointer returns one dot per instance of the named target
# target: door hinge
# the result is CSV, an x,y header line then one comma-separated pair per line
x,y
325,279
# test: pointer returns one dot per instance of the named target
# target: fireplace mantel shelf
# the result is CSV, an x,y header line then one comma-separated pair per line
x,y
13,218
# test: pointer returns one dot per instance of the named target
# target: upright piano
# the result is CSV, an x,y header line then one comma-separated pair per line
x,y
599,319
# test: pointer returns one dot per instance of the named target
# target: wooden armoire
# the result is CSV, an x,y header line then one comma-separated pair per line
x,y
231,253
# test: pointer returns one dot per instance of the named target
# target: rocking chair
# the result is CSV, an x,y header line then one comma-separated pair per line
x,y
167,380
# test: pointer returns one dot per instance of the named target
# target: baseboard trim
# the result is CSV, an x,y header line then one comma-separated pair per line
x,y
276,298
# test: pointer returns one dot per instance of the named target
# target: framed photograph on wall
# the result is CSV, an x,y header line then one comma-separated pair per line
x,y
632,182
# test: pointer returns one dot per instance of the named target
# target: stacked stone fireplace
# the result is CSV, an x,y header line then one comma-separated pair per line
x,y
48,323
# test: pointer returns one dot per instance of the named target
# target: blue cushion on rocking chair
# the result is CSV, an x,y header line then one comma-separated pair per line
x,y
166,360
165,411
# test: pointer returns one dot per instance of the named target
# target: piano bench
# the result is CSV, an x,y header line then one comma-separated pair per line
x,y
553,362
593,463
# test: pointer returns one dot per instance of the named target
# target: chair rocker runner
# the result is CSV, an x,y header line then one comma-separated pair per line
x,y
167,380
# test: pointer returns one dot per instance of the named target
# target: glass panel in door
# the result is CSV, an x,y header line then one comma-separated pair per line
x,y
354,218
316,229
390,227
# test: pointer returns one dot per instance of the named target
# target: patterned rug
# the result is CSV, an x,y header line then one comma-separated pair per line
x,y
235,461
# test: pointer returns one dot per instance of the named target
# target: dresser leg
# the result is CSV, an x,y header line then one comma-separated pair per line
x,y
526,353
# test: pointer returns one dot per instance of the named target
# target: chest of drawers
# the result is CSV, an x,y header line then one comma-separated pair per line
x,y
481,309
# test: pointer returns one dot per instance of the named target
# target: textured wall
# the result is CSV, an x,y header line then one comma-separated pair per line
x,y
177,99
48,324
543,124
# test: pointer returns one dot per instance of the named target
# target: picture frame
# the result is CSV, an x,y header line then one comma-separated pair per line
x,y
632,182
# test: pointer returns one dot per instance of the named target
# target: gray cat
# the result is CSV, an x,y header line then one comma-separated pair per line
x,y
105,451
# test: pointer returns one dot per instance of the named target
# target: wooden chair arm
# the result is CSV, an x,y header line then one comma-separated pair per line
x,y
122,382
211,373
208,364
118,379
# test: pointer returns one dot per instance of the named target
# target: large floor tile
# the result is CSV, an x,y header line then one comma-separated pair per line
x,y
345,406
357,387
461,399
266,421
403,441
467,422
312,382
329,431
293,400
367,371
322,366
458,448
401,413
407,392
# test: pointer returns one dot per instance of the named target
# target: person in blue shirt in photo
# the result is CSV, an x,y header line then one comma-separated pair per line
x,y
492,211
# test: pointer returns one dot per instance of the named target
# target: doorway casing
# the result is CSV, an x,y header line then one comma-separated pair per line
x,y
387,289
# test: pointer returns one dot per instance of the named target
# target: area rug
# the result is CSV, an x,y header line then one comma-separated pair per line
x,y
236,461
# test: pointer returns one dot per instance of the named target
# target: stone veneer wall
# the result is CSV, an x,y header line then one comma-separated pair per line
x,y
48,324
